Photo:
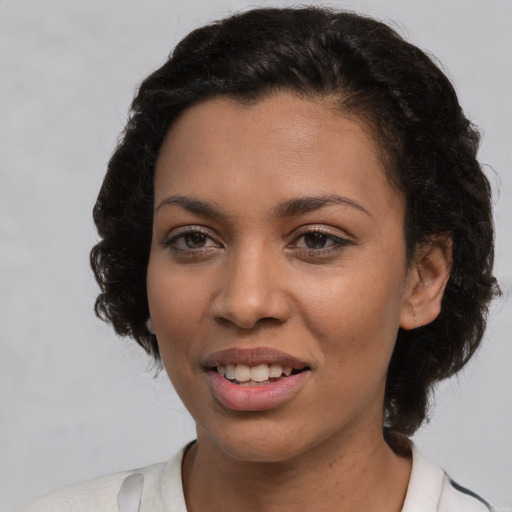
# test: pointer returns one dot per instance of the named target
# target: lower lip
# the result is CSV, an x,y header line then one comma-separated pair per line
x,y
255,398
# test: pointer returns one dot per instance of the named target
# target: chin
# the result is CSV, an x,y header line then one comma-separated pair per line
x,y
273,452
259,440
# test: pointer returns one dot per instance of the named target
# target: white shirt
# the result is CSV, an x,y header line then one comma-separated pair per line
x,y
158,488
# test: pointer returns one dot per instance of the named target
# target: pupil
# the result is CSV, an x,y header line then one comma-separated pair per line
x,y
195,240
315,240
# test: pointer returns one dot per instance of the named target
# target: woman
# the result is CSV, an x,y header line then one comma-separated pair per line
x,y
295,224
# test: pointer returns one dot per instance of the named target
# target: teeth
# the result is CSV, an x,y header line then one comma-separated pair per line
x,y
275,370
242,373
230,371
260,373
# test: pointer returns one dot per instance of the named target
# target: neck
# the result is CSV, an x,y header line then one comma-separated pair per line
x,y
354,475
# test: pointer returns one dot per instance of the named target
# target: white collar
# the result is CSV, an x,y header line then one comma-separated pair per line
x,y
425,485
423,492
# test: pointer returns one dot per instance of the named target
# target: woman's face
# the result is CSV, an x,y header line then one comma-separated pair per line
x,y
278,246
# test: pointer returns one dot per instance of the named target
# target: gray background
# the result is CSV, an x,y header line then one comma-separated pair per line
x,y
76,402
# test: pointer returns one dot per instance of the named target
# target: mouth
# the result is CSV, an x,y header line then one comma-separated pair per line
x,y
255,379
260,375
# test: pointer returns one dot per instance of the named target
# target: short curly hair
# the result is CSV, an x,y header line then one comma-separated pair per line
x,y
428,146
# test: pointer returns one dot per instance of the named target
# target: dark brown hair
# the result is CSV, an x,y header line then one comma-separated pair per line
x,y
428,144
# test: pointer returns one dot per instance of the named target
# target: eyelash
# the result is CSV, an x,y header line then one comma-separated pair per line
x,y
189,231
337,242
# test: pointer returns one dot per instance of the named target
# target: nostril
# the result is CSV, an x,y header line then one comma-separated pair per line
x,y
270,320
244,326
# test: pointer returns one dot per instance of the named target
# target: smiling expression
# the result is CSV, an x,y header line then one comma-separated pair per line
x,y
277,276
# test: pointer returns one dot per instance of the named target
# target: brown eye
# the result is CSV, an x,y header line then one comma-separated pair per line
x,y
195,240
316,240
320,242
191,239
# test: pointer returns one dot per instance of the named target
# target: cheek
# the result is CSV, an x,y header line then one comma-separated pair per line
x,y
177,306
175,310
356,339
355,317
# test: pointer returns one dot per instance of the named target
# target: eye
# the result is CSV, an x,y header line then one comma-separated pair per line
x,y
194,240
190,239
320,241
317,240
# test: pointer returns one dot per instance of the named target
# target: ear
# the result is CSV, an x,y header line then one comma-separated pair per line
x,y
428,275
149,326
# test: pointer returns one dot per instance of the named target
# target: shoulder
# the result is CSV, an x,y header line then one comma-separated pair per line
x,y
100,494
454,497
155,488
431,490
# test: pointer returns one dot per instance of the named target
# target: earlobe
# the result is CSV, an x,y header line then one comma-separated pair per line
x,y
427,281
149,326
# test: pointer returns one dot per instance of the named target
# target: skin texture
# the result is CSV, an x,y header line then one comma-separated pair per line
x,y
255,276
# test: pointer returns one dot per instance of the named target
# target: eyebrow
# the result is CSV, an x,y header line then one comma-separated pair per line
x,y
197,206
308,204
290,208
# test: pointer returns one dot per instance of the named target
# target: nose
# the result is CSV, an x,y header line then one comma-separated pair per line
x,y
251,291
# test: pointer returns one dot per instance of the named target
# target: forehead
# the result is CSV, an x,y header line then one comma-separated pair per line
x,y
280,145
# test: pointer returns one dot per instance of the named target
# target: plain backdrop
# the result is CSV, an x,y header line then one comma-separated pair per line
x,y
77,402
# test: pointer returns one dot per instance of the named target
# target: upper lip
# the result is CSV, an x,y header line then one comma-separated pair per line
x,y
252,357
